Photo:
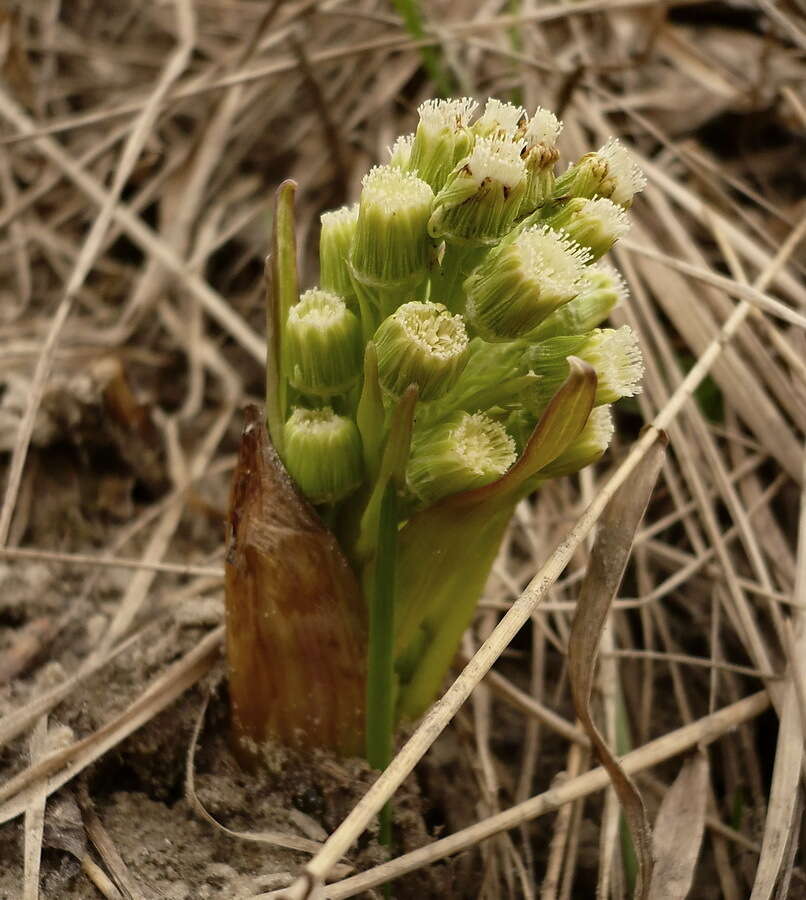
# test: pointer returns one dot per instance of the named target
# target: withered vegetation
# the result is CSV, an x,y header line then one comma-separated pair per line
x,y
140,145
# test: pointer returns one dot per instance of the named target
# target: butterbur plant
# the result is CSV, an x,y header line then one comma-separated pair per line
x,y
453,359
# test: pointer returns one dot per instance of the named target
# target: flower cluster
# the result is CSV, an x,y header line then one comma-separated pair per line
x,y
469,269
452,360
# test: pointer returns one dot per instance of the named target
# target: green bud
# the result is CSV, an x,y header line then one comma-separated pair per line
x,y
322,345
422,344
500,120
335,240
586,449
443,137
613,353
602,291
595,224
540,158
400,152
323,454
463,452
482,195
609,172
523,281
391,247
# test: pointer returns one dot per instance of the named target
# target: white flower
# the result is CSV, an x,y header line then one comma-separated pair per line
x,y
623,170
499,118
496,159
439,115
544,128
553,261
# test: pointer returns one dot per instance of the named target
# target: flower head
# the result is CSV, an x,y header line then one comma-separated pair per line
x,y
323,454
609,172
466,451
615,355
543,128
400,152
437,116
496,159
500,119
422,344
442,138
524,281
586,448
594,223
624,177
335,241
540,158
391,245
323,344
612,352
482,195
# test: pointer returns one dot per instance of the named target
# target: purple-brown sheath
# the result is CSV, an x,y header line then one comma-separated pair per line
x,y
296,624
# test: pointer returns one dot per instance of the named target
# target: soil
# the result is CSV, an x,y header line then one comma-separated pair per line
x,y
137,790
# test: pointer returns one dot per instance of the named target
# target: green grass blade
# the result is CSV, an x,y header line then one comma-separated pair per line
x,y
381,682
410,12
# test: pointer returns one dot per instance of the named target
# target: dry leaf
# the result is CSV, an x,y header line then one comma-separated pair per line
x,y
678,831
609,556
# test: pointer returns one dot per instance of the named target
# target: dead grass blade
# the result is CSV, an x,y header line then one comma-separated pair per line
x,y
89,252
35,818
679,828
113,562
99,878
779,826
58,768
106,848
617,528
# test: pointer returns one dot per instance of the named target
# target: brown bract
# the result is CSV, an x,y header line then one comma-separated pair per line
x,y
296,634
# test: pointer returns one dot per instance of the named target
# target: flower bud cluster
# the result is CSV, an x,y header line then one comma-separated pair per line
x,y
469,269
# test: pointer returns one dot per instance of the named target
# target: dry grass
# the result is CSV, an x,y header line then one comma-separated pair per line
x,y
138,153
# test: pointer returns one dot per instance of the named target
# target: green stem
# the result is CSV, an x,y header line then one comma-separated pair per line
x,y
412,16
381,688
